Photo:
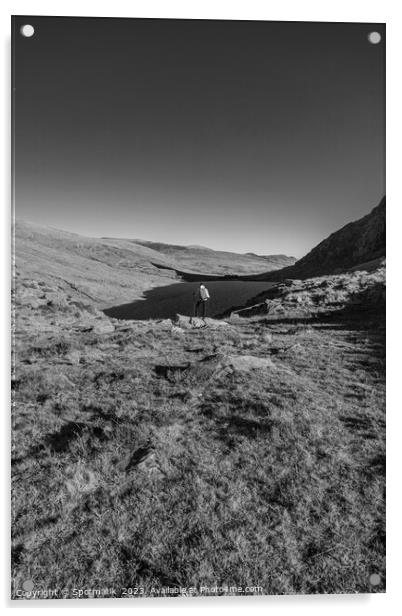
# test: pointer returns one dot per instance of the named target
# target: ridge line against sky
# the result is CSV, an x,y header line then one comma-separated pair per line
x,y
137,240
259,137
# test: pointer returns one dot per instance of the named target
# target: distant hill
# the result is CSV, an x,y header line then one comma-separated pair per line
x,y
206,261
98,269
108,270
358,243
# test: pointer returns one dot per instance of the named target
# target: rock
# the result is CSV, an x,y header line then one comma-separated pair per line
x,y
244,363
31,284
294,348
126,326
177,331
273,306
288,282
74,357
104,328
183,322
197,323
194,349
165,324
84,306
142,458
82,327
64,381
267,337
93,355
107,346
216,323
30,300
167,370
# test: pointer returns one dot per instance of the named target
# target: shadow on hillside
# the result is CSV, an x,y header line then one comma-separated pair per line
x,y
177,298
158,303
193,277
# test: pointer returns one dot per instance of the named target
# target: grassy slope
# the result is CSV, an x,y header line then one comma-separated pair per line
x,y
324,294
145,462
355,245
200,259
113,271
97,269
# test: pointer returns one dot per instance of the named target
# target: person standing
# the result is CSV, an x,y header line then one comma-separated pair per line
x,y
200,297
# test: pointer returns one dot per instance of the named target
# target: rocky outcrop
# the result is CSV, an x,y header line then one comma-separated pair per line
x,y
185,322
324,294
357,243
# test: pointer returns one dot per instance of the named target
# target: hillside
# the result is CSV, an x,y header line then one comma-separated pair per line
x,y
156,454
359,242
205,260
110,271
359,290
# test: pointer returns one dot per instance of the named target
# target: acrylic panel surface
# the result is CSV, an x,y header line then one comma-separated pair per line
x,y
198,308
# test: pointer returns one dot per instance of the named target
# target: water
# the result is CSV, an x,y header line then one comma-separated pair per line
x,y
165,302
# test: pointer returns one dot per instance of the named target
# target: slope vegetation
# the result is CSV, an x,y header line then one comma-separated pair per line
x,y
111,271
358,243
153,454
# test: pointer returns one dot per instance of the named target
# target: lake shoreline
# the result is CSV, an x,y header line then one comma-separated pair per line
x,y
168,300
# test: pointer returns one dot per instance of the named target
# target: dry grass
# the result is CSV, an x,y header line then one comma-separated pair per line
x,y
139,461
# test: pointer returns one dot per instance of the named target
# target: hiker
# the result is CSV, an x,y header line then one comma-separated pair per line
x,y
200,298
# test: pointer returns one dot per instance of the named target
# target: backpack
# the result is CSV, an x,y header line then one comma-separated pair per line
x,y
204,293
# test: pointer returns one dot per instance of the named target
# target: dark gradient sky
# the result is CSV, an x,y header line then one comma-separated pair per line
x,y
243,136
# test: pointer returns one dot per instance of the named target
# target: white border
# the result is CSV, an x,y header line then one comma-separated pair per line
x,y
388,11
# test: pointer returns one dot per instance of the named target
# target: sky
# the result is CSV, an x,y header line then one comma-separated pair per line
x,y
245,136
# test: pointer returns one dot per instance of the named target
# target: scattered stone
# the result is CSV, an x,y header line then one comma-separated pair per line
x,y
198,323
194,349
267,337
64,381
166,370
82,327
294,348
124,327
244,363
138,457
149,465
107,346
104,328
165,324
30,300
94,355
273,306
184,322
74,357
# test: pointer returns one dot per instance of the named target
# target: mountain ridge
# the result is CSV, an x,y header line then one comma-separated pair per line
x,y
115,270
358,242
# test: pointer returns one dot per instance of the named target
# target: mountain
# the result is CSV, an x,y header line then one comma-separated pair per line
x,y
356,244
108,270
203,260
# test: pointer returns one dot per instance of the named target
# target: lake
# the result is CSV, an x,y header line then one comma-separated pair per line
x,y
165,302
